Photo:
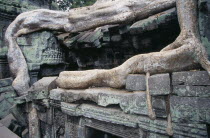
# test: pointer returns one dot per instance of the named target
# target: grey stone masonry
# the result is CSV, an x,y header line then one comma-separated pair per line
x,y
115,116
5,82
159,84
193,84
191,78
197,91
124,112
136,82
190,109
129,102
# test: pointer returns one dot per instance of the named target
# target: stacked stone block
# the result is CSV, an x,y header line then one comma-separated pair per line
x,y
78,113
188,92
7,95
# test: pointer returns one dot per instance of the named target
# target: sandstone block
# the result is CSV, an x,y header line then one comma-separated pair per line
x,y
190,109
159,84
136,82
191,78
5,82
196,91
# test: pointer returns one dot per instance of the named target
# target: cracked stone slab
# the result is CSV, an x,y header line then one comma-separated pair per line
x,y
196,78
129,102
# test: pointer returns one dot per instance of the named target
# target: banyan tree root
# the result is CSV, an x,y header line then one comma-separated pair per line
x,y
103,12
34,124
169,128
151,113
185,53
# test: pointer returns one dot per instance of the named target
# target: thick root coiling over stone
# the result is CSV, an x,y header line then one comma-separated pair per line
x,y
75,20
158,62
185,53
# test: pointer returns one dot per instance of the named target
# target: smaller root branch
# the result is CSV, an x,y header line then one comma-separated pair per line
x,y
149,101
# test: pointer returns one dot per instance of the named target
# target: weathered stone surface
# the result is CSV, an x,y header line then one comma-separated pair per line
x,y
116,116
193,91
191,78
5,82
71,126
7,120
159,84
159,105
39,90
128,102
46,117
133,103
4,66
10,122
110,128
25,134
204,20
46,130
59,122
190,109
155,135
19,112
6,89
55,94
136,82
6,133
6,102
42,56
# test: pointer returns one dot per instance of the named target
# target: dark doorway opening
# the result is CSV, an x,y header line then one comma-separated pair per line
x,y
94,133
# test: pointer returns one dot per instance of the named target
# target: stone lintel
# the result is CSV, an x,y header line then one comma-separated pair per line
x,y
116,116
129,102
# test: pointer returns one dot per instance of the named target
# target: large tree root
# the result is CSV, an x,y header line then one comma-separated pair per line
x,y
178,59
184,54
80,19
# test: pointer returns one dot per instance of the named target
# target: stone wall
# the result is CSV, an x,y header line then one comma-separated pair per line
x,y
43,53
124,113
121,113
9,9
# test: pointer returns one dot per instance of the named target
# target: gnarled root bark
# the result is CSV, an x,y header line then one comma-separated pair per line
x,y
107,12
185,53
151,113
